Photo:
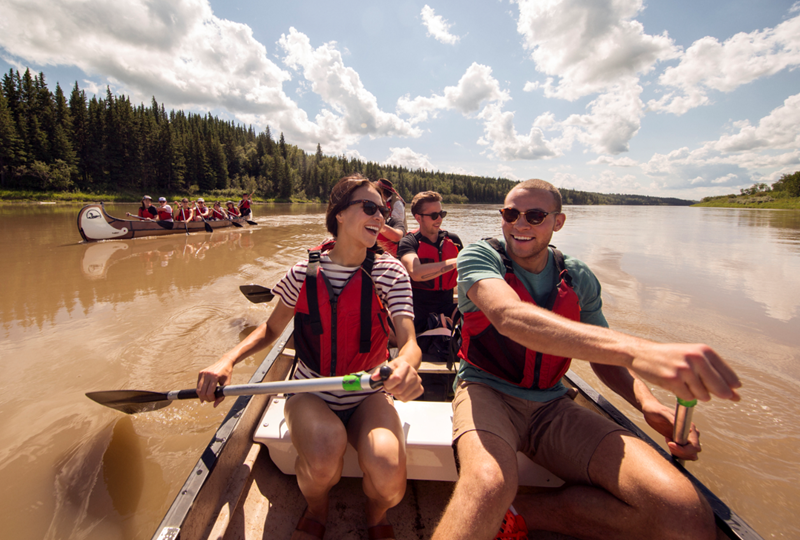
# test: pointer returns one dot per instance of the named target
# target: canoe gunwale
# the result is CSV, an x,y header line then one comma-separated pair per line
x,y
726,519
200,473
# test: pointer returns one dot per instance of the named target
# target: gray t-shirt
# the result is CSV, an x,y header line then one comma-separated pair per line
x,y
480,261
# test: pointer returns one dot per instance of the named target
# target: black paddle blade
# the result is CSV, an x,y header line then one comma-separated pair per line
x,y
166,224
130,401
208,227
237,224
256,293
251,222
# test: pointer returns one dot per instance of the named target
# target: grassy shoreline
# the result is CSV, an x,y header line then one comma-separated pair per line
x,y
750,201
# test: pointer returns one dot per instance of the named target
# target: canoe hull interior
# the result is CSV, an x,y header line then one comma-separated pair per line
x,y
95,224
240,493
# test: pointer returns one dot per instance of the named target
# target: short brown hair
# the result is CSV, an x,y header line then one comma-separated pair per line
x,y
422,198
340,198
535,183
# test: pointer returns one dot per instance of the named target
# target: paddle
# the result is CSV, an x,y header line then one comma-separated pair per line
x,y
208,227
163,224
251,222
137,401
683,422
256,293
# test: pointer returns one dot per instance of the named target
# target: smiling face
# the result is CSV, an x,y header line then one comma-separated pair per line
x,y
526,244
354,225
427,226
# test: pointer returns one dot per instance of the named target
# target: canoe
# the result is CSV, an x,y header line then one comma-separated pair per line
x,y
238,491
95,224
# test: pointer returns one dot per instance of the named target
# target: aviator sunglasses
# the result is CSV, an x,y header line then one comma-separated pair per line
x,y
435,215
369,207
533,217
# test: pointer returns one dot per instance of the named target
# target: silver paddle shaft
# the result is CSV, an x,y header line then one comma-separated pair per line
x,y
351,383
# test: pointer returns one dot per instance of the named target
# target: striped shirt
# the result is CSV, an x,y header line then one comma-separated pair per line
x,y
392,285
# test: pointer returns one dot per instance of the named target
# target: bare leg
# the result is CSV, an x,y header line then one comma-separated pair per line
x,y
637,494
375,431
321,440
486,487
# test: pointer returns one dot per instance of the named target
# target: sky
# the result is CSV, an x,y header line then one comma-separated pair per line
x,y
671,98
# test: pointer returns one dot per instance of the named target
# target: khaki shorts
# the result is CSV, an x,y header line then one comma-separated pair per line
x,y
559,435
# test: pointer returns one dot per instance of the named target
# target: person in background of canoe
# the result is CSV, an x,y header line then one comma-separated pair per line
x,y
232,211
429,255
396,226
147,211
201,210
244,205
164,210
322,424
218,213
510,398
185,210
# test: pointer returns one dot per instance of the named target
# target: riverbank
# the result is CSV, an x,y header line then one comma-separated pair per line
x,y
752,201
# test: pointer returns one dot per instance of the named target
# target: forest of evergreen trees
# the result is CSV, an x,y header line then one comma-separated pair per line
x,y
51,142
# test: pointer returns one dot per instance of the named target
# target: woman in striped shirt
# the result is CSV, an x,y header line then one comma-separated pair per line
x,y
322,424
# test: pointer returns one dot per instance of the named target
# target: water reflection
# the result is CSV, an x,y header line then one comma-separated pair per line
x,y
152,253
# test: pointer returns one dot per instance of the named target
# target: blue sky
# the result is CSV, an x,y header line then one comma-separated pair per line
x,y
670,98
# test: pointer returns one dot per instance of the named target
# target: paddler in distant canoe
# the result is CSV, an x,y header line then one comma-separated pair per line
x,y
185,210
201,210
244,205
232,211
147,211
368,287
217,212
164,210
509,396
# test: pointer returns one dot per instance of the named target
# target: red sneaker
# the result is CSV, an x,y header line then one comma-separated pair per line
x,y
513,527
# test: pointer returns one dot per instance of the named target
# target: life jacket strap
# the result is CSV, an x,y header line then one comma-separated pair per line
x,y
311,292
367,288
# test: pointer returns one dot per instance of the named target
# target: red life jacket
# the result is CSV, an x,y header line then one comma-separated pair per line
x,y
344,334
233,211
163,215
485,348
244,203
184,214
217,214
428,253
145,212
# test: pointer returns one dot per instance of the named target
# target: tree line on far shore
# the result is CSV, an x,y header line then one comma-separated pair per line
x,y
53,142
788,185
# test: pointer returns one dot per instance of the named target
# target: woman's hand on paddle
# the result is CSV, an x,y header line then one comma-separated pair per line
x,y
404,383
688,371
662,419
217,374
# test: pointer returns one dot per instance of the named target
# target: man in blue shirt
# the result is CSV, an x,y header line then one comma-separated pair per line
x,y
510,398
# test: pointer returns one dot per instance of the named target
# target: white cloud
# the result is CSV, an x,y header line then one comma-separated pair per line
x,y
605,182
588,46
614,162
341,88
406,157
711,65
475,87
438,28
504,171
506,144
613,120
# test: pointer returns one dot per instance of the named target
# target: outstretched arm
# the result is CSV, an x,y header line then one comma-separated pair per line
x,y
220,372
690,371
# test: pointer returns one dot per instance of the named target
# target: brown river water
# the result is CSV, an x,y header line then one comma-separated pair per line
x,y
149,313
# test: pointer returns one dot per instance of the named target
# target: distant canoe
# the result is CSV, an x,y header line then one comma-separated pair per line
x,y
95,224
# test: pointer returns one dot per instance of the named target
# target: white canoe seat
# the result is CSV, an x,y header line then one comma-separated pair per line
x,y
427,426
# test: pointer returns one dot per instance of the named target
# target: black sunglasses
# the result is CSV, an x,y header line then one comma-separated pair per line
x,y
533,217
435,215
370,207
